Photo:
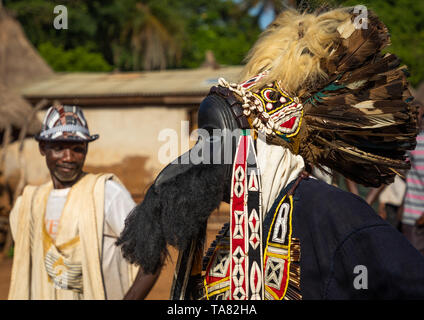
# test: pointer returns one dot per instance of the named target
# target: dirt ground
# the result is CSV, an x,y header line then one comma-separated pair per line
x,y
162,287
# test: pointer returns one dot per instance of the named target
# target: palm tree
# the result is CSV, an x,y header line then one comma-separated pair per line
x,y
153,44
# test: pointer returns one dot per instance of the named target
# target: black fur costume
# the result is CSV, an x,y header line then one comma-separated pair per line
x,y
178,204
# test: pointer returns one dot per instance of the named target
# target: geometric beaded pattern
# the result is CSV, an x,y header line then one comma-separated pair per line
x,y
277,256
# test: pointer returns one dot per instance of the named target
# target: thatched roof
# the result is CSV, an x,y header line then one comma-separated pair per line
x,y
20,64
15,110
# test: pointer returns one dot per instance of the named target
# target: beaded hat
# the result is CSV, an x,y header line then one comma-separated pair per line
x,y
65,123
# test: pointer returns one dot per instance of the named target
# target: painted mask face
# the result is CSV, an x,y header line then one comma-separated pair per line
x,y
285,111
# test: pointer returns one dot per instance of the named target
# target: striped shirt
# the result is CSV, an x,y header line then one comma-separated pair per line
x,y
414,198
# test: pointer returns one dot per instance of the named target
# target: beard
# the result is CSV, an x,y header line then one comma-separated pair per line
x,y
67,176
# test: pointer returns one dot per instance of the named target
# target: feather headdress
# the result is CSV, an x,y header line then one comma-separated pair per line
x,y
320,85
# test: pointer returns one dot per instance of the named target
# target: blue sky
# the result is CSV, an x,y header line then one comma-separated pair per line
x,y
266,18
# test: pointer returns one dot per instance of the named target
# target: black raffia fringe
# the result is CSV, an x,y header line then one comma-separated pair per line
x,y
172,213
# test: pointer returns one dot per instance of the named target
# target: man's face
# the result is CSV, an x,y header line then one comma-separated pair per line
x,y
65,161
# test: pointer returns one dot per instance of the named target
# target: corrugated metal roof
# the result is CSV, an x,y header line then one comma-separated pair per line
x,y
156,83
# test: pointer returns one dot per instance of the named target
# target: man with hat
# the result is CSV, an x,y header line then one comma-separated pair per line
x,y
65,229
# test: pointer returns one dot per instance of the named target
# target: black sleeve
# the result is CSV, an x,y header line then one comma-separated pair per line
x,y
375,262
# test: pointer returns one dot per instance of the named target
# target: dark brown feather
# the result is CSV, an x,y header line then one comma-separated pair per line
x,y
361,122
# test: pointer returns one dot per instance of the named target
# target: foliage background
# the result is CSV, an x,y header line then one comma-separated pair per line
x,y
128,35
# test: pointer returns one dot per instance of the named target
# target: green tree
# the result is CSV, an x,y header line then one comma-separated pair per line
x,y
76,59
129,34
72,49
152,30
155,34
220,26
140,34
405,21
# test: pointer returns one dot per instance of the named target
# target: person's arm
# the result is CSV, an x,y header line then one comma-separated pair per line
x,y
352,187
382,210
142,285
120,206
420,221
374,193
118,272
